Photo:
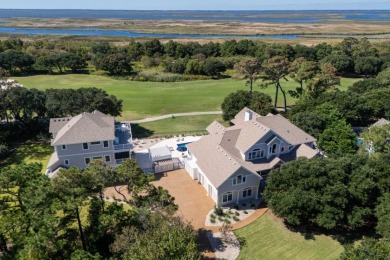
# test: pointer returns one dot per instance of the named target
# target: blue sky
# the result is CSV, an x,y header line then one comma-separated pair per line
x,y
197,4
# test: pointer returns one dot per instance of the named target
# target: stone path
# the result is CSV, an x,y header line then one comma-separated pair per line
x,y
150,119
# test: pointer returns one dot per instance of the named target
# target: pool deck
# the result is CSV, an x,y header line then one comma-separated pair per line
x,y
142,153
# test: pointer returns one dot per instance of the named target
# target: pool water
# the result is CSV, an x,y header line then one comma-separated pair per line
x,y
183,145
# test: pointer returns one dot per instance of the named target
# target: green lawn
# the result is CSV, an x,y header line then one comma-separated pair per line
x,y
30,153
145,99
187,125
267,238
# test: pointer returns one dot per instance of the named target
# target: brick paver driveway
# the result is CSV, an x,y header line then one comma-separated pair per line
x,y
194,204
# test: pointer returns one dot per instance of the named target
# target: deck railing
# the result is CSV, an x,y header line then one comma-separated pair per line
x,y
122,146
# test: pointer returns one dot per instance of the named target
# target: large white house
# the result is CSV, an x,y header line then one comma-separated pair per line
x,y
231,162
86,137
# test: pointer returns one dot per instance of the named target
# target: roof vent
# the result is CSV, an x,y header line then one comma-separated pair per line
x,y
54,120
288,131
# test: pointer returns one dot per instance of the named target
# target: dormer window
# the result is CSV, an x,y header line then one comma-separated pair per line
x,y
256,153
273,149
63,147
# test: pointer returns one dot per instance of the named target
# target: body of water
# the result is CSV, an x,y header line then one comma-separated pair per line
x,y
303,16
247,16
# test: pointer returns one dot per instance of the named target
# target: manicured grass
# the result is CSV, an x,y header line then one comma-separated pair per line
x,y
187,125
268,238
30,153
145,99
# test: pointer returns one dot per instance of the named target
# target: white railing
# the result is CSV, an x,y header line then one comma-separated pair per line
x,y
122,146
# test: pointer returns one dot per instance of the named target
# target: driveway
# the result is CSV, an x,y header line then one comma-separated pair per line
x,y
194,204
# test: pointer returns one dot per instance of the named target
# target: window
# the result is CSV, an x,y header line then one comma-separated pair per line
x,y
63,147
85,146
228,196
87,160
105,143
239,179
95,143
273,149
282,149
97,158
107,158
66,162
247,193
256,153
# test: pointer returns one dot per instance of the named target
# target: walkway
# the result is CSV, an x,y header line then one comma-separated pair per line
x,y
150,119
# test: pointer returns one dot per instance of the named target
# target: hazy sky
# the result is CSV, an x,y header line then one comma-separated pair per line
x,y
197,4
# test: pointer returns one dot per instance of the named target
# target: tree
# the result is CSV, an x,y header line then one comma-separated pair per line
x,y
153,47
368,66
116,64
384,77
135,51
213,67
376,139
302,70
383,215
330,193
11,60
325,80
368,249
236,101
163,236
338,139
343,63
249,69
275,69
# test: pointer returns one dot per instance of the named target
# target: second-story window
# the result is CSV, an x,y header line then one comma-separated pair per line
x,y
273,149
256,153
85,146
105,143
95,143
63,147
239,179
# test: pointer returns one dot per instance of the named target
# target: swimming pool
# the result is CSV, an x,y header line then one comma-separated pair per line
x,y
183,145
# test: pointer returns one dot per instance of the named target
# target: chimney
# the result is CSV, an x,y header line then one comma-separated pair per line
x,y
248,115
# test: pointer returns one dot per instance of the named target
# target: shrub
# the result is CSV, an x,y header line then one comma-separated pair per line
x,y
236,207
235,218
245,212
227,221
237,213
212,216
212,220
253,206
218,211
220,218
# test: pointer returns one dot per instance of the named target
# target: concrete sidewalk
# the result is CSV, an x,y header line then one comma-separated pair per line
x,y
150,119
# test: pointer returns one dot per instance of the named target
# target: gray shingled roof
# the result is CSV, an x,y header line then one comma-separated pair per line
x,y
85,127
215,128
381,122
219,156
285,129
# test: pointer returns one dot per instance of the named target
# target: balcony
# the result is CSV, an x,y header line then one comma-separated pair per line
x,y
123,146
123,137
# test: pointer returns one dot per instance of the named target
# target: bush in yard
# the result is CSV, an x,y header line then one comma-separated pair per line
x,y
218,211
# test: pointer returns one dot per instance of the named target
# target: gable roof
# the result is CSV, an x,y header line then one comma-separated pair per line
x,y
285,129
85,127
219,154
216,163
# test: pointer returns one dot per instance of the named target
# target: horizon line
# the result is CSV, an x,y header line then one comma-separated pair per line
x,y
214,10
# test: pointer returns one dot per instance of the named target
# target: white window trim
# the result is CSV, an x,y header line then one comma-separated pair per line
x,y
246,190
64,145
243,179
109,158
83,146
276,150
104,143
227,196
254,151
85,160
66,162
97,143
